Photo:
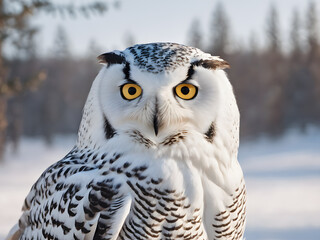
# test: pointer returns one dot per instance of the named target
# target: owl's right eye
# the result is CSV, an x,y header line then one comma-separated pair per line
x,y
130,91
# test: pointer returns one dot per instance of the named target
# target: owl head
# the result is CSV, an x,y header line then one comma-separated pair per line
x,y
157,90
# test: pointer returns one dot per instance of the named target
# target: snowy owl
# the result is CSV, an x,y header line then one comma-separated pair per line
x,y
156,155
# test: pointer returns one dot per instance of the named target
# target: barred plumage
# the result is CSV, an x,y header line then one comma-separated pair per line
x,y
149,163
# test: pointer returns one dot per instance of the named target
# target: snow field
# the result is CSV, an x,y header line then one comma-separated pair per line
x,y
282,178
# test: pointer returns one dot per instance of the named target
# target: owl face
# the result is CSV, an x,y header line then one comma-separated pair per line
x,y
158,89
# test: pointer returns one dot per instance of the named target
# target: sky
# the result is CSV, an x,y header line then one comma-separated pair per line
x,y
165,20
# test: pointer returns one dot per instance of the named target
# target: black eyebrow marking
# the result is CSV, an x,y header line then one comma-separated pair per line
x,y
190,72
111,58
209,64
126,71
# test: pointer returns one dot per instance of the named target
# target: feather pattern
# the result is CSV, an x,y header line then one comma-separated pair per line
x,y
121,181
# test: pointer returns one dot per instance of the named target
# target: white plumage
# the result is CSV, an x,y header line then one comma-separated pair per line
x,y
156,156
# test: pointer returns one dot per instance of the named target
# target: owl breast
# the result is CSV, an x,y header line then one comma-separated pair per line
x,y
172,198
167,198
159,212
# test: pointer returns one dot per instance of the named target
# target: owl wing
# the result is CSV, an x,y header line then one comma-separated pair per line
x,y
73,200
230,221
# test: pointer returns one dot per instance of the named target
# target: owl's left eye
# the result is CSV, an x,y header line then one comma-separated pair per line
x,y
130,91
186,91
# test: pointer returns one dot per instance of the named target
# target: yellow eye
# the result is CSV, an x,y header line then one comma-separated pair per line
x,y
130,91
186,91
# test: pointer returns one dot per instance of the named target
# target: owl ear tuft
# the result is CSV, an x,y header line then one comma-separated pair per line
x,y
212,64
111,58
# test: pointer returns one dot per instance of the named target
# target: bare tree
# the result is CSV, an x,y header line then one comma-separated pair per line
x,y
22,70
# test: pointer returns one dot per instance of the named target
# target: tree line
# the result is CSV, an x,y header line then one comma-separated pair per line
x,y
277,85
20,73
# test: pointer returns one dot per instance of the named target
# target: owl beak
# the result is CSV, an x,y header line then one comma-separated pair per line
x,y
155,124
156,118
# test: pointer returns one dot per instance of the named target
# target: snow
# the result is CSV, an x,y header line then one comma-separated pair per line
x,y
283,185
21,170
282,177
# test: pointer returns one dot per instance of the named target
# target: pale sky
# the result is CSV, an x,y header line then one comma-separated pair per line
x,y
165,20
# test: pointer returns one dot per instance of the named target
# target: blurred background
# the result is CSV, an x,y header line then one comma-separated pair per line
x,y
48,51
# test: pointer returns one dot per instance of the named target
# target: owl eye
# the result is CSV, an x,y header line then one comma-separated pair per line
x,y
186,91
130,91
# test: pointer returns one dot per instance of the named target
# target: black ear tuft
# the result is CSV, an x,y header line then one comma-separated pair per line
x,y
212,64
111,58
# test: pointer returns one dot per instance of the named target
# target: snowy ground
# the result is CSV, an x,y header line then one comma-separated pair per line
x,y
282,176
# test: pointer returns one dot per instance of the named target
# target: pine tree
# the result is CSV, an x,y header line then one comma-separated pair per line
x,y
313,60
273,31
61,46
297,88
312,31
274,76
295,36
220,36
195,34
